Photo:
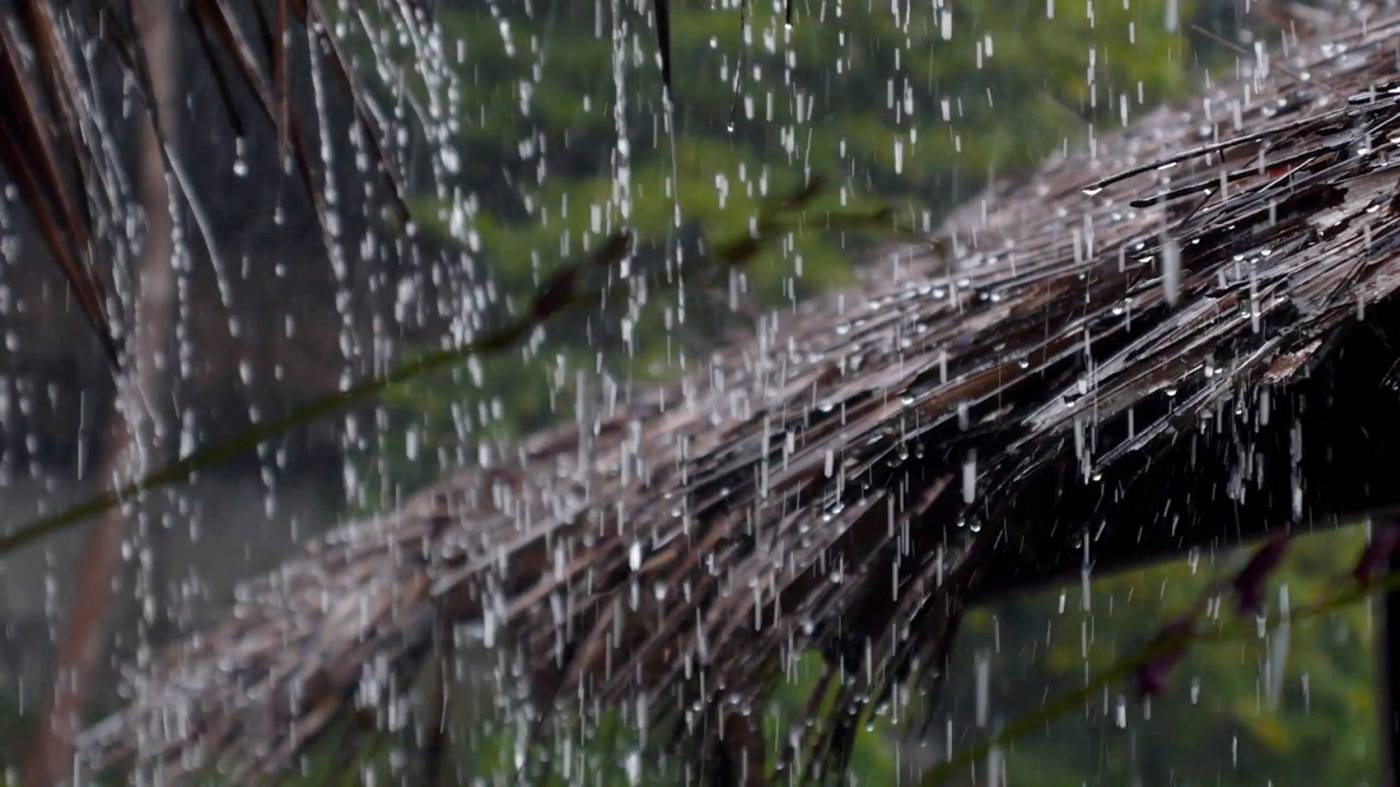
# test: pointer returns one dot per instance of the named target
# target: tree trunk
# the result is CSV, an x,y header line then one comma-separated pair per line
x,y
143,386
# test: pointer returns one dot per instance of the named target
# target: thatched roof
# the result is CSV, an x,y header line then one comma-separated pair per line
x,y
1186,338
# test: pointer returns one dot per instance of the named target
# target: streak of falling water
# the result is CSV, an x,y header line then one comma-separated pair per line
x,y
1171,270
335,251
622,158
969,477
1278,644
982,668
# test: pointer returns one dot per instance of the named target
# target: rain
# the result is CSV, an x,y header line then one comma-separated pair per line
x,y
731,392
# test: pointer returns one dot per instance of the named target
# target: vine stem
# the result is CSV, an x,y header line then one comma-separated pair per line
x,y
1127,667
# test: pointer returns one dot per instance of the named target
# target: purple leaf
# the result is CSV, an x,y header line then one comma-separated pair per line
x,y
1374,560
1249,583
1168,647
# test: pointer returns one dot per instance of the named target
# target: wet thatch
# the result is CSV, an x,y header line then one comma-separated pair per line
x,y
1186,338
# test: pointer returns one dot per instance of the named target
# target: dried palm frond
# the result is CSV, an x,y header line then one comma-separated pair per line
x,y
32,145
1175,341
52,144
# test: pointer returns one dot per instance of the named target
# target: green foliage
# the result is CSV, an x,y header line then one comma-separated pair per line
x,y
836,94
1216,724
759,109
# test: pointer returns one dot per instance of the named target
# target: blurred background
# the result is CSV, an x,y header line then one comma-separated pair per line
x,y
539,128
